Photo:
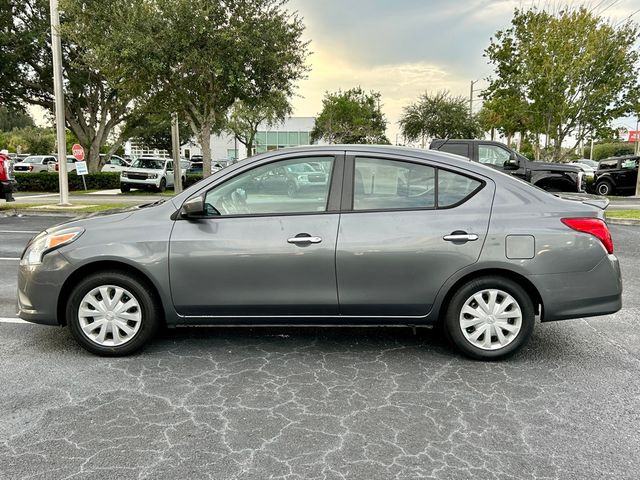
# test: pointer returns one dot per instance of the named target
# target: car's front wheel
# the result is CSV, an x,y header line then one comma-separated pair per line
x,y
163,185
490,318
124,188
112,313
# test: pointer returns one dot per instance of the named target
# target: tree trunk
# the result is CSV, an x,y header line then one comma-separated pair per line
x,y
205,143
493,133
509,140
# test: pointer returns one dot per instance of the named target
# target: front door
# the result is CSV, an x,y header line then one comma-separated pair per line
x,y
411,227
261,251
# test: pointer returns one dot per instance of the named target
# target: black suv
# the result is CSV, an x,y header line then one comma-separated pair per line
x,y
617,175
553,177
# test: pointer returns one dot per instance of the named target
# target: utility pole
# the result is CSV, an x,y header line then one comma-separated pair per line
x,y
175,147
471,90
61,140
591,152
637,150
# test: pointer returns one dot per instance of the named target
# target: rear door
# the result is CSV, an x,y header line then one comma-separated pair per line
x,y
628,175
406,227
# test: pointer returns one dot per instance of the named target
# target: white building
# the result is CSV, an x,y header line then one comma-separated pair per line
x,y
292,132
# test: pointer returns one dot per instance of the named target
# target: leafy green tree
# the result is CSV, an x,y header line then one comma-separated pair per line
x,y
34,140
150,123
93,107
571,73
353,116
439,115
11,118
245,117
200,56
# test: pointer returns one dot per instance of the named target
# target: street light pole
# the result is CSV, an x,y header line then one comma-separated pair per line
x,y
473,82
56,49
175,147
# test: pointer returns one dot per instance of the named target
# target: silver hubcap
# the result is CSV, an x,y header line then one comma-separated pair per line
x,y
110,315
490,319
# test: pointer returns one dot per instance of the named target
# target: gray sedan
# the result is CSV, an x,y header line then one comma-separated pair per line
x,y
394,237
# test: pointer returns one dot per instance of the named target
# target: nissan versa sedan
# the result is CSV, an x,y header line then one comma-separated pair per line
x,y
395,237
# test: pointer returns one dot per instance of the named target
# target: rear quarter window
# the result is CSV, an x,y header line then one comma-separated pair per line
x,y
454,188
461,149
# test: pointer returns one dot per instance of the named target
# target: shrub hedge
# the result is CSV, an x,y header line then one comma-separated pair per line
x,y
606,150
48,181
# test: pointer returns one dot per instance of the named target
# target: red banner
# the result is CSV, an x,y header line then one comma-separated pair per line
x,y
633,136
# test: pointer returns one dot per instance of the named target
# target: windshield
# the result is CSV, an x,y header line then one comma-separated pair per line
x,y
148,163
33,160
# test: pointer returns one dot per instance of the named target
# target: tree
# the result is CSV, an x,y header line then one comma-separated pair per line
x,y
353,116
571,73
199,56
93,107
440,115
11,118
245,117
150,123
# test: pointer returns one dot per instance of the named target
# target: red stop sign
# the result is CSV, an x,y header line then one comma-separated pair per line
x,y
77,151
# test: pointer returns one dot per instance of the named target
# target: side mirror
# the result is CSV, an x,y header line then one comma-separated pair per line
x,y
194,207
513,163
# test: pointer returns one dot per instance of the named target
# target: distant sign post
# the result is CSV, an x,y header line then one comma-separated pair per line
x,y
81,165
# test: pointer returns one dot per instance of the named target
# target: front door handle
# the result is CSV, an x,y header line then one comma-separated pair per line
x,y
304,238
461,237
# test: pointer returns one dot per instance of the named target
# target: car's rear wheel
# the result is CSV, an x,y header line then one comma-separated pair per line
x,y
490,318
604,188
112,313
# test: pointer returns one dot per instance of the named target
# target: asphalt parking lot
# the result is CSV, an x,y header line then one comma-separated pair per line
x,y
320,403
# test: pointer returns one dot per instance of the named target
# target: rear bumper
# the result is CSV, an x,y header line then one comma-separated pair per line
x,y
581,294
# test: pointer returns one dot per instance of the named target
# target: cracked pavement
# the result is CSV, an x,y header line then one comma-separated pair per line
x,y
313,403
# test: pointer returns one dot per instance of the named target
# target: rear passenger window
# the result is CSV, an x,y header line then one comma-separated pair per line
x,y
454,188
389,184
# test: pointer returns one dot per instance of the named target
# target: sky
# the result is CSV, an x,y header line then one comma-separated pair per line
x,y
403,48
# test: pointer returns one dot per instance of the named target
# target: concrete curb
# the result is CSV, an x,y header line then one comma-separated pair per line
x,y
19,212
623,221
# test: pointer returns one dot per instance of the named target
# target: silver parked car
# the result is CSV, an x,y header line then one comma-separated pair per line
x,y
395,237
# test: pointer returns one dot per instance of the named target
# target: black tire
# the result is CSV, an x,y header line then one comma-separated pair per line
x,y
604,187
124,188
140,290
163,185
453,329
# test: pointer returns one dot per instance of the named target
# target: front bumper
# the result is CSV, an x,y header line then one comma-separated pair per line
x,y
39,287
139,183
581,294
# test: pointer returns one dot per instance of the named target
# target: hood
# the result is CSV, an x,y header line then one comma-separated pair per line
x,y
593,200
143,170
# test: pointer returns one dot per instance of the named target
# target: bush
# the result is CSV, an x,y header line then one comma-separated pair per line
x,y
191,178
48,181
606,150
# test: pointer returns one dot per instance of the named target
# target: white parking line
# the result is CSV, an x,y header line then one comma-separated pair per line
x,y
19,231
40,196
12,320
10,259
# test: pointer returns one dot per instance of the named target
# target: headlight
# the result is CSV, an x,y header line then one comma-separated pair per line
x,y
124,174
152,175
46,242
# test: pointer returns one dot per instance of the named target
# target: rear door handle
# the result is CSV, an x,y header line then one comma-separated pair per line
x,y
461,237
304,239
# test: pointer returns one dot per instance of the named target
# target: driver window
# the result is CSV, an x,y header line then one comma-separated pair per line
x,y
170,166
492,155
298,185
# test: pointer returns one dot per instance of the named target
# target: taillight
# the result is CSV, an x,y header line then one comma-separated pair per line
x,y
30,167
4,171
56,167
592,226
